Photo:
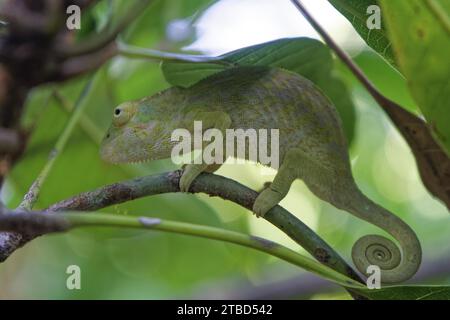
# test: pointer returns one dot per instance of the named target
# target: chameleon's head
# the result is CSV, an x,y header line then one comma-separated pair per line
x,y
135,135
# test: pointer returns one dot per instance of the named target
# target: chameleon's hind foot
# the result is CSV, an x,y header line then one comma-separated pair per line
x,y
265,201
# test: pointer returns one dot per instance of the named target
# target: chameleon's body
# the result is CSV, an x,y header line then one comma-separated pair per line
x,y
312,147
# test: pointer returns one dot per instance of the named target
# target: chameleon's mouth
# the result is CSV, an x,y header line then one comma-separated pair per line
x,y
126,153
133,152
132,146
107,155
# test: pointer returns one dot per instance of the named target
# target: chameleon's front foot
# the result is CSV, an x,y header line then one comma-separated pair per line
x,y
265,201
190,172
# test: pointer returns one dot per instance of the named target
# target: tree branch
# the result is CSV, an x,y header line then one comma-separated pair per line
x,y
215,186
43,223
210,184
432,161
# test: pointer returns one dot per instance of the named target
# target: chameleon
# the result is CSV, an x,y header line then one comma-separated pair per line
x,y
312,147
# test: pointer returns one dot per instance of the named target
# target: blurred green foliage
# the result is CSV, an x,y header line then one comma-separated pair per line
x,y
135,264
356,12
424,63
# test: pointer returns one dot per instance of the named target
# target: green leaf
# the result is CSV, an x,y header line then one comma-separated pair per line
x,y
420,37
408,293
356,12
307,57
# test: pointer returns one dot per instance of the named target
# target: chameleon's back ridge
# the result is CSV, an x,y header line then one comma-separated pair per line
x,y
312,147
273,98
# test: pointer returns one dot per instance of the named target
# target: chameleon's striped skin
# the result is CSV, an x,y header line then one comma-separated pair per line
x,y
312,148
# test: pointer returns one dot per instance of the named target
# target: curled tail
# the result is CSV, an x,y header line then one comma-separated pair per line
x,y
376,250
334,184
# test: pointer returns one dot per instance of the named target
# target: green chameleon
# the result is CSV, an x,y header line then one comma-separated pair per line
x,y
312,147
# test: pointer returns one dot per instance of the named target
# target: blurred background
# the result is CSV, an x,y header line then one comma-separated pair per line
x,y
129,264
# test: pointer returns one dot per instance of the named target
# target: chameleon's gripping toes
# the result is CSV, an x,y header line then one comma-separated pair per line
x,y
312,147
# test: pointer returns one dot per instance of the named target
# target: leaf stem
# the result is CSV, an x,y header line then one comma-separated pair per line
x,y
144,53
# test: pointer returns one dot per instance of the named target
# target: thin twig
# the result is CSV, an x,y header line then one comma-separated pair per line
x,y
33,194
86,63
432,161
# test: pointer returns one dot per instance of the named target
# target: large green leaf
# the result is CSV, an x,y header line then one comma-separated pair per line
x,y
307,57
421,40
356,12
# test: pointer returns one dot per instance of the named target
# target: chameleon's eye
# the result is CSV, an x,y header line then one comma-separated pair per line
x,y
122,114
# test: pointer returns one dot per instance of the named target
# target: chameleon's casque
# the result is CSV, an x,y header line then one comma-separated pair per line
x,y
312,148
